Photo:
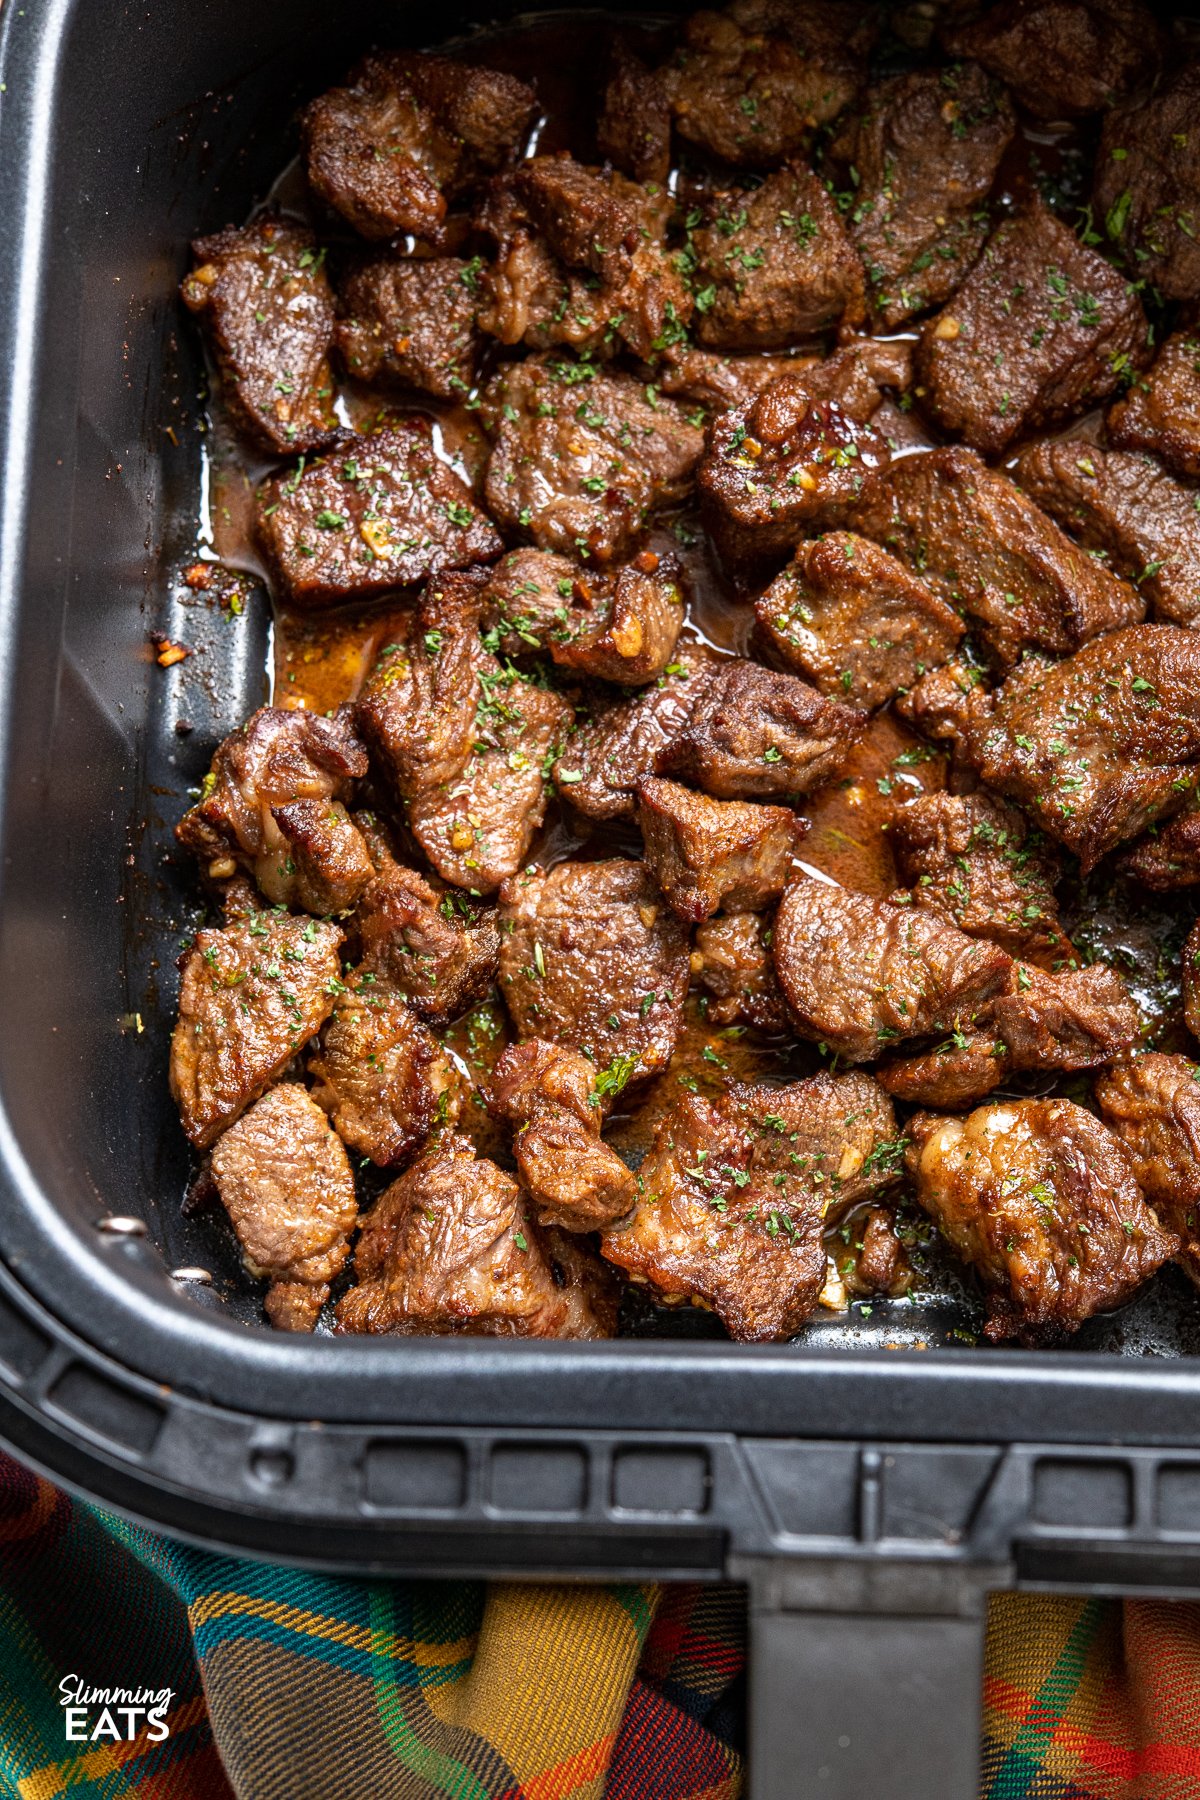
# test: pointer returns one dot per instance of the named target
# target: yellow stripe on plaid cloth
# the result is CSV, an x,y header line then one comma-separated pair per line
x,y
329,1630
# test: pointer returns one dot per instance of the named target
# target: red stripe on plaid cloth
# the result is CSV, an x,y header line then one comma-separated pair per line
x,y
662,1754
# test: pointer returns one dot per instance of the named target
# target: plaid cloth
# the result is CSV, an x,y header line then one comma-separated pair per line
x,y
291,1686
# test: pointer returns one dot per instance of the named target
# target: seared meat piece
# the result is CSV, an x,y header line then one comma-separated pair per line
x,y
925,152
407,133
1161,411
1147,179
634,128
581,457
1075,1020
773,265
379,513
574,1180
287,1186
737,974
1040,1198
707,854
751,83
755,734
272,802
251,996
450,1248
439,954
985,549
1126,505
619,625
716,382
264,294
733,1197
1098,747
979,863
618,745
875,1264
476,827
1061,58
860,973
591,957
380,1074
853,620
855,375
411,321
1041,329
957,1073
781,466
418,706
944,703
1151,1104
1167,856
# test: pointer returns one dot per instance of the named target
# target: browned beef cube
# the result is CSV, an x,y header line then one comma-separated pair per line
x,y
573,1179
407,133
1040,330
584,219
782,466
251,996
1075,1020
855,375
380,1074
943,703
477,826
591,957
986,550
1125,504
617,744
1161,411
753,733
737,974
272,803
751,83
854,621
925,152
581,457
1041,1200
734,1194
773,265
412,322
874,1262
287,1186
979,863
439,952
450,1248
264,295
1147,180
1099,746
619,625
379,513
1167,857
959,1072
1062,58
860,973
707,854
1151,1104
634,127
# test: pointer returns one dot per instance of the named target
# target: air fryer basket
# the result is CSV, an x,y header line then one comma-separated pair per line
x,y
870,1491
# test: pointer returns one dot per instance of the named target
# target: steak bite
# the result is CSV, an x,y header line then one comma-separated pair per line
x,y
617,625
251,996
1126,505
753,733
573,1179
732,965
926,151
978,862
411,322
264,295
773,265
1161,411
618,742
1061,58
986,550
379,513
581,457
957,1073
1167,856
734,1192
634,128
1075,1020
708,854
855,375
407,133
1147,179
782,466
850,617
287,1185
477,826
1041,329
860,973
590,957
380,1074
1040,1198
439,953
1151,1104
1099,746
450,1248
945,704
272,803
